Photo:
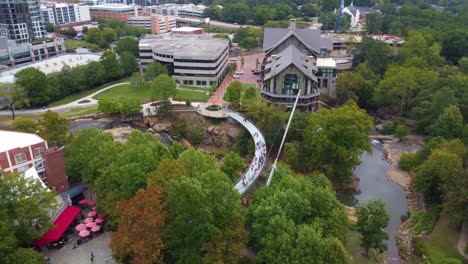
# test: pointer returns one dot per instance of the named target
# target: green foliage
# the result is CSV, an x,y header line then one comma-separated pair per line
x,y
388,128
401,132
35,84
153,70
334,140
425,221
233,93
25,204
108,35
449,124
129,63
232,165
248,37
372,220
112,68
54,129
127,44
123,106
13,96
195,134
163,87
418,245
196,162
200,209
23,124
93,36
408,161
69,32
297,221
377,55
328,20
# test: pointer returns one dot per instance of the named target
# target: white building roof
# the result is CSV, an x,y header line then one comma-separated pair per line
x,y
326,62
112,7
185,29
11,140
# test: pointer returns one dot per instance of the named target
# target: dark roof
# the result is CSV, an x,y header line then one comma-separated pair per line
x,y
275,36
290,55
365,9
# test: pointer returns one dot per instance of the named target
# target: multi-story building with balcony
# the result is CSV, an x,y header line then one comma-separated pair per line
x,y
297,61
191,60
21,20
188,10
65,13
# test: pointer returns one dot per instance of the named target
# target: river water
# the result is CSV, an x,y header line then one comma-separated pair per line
x,y
373,183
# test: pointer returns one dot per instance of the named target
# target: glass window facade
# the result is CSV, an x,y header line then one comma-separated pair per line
x,y
290,84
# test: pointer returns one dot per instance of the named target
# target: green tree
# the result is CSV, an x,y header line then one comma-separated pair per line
x,y
23,124
262,14
129,63
108,35
329,5
196,162
401,132
167,171
35,84
163,86
310,10
129,107
93,36
153,70
232,165
374,23
111,65
377,54
233,93
95,74
328,20
213,12
408,161
449,124
54,128
297,220
334,140
12,96
372,220
203,210
26,203
129,44
137,80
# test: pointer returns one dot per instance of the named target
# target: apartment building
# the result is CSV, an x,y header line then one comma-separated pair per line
x,y
190,59
21,20
157,24
65,13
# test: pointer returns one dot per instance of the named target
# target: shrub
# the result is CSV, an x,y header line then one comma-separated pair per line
x,y
401,132
213,107
195,134
425,221
388,128
408,161
188,103
419,249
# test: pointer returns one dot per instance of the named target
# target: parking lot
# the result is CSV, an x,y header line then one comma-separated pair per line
x,y
249,65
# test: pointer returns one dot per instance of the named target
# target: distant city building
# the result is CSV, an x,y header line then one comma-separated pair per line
x,y
295,63
65,14
357,13
191,60
157,24
21,20
12,54
113,11
189,10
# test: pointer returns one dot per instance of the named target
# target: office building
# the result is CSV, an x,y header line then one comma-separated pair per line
x,y
12,54
157,24
65,14
189,10
297,61
190,60
21,20
113,11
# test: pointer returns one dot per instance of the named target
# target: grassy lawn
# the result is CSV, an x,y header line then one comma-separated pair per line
x,y
194,88
81,111
442,242
75,43
354,249
129,92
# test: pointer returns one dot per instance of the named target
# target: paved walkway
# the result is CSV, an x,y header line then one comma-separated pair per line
x,y
258,162
65,107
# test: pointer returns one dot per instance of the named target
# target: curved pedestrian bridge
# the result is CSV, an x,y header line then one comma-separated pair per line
x,y
258,162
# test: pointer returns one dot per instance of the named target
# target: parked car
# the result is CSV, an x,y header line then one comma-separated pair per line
x,y
240,72
235,76
257,72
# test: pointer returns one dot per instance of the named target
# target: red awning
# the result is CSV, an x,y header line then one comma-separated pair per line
x,y
59,227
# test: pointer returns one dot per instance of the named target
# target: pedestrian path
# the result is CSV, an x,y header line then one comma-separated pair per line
x,y
258,162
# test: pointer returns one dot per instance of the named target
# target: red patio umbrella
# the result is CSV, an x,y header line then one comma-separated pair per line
x,y
87,220
80,227
99,220
101,216
95,228
92,214
90,224
84,233
92,203
94,208
83,202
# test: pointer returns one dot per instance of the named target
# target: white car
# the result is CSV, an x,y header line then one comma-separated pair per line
x,y
240,72
235,76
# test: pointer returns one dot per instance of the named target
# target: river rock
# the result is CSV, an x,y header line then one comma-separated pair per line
x,y
161,127
185,143
233,133
379,127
